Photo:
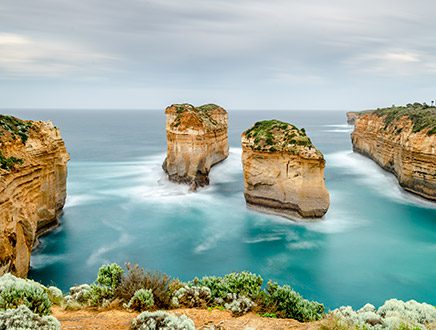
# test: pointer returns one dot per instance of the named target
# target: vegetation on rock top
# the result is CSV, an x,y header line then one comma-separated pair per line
x,y
275,135
15,127
422,116
201,112
8,163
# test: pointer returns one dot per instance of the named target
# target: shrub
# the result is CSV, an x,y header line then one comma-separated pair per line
x,y
55,295
287,303
393,314
110,275
161,320
243,283
192,296
99,295
141,300
239,305
22,318
17,291
136,278
78,294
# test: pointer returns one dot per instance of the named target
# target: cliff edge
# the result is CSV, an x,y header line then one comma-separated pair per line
x,y
33,172
283,171
197,139
401,140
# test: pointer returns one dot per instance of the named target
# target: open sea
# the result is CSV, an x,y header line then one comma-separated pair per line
x,y
376,242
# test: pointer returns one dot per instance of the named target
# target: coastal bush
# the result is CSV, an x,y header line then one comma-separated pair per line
x,y
78,294
238,305
55,295
243,284
136,278
161,320
99,295
141,300
192,296
16,291
285,302
22,318
110,275
393,314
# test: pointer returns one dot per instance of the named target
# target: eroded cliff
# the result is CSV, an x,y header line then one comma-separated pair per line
x,y
283,171
401,140
33,172
197,139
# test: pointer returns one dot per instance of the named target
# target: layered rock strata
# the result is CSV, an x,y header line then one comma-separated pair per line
x,y
283,171
33,172
402,140
197,139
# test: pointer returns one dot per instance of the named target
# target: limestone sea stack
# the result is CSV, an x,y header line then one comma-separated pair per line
x,y
283,171
401,140
33,172
197,139
351,117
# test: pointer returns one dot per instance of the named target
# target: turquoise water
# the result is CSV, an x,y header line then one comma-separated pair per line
x,y
376,241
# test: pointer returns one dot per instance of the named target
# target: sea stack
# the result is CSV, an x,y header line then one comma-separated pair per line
x,y
402,140
33,172
283,171
197,139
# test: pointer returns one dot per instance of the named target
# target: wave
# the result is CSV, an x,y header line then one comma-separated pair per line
x,y
366,171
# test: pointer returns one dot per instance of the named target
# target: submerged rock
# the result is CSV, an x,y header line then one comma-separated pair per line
x,y
283,171
401,140
196,140
33,173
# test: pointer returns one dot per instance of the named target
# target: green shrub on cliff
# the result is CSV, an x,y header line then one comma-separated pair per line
x,y
16,127
9,163
16,291
422,116
285,302
274,135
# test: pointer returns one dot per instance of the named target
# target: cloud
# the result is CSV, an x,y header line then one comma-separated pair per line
x,y
28,56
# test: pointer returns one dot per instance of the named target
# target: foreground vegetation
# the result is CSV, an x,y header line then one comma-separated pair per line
x,y
25,304
422,116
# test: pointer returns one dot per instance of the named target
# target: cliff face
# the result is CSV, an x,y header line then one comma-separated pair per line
x,y
196,140
399,147
351,117
32,188
283,171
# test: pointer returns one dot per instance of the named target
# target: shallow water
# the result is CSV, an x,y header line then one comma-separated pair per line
x,y
376,241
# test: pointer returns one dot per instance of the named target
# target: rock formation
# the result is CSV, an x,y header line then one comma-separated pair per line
x,y
401,140
283,171
351,117
33,171
196,140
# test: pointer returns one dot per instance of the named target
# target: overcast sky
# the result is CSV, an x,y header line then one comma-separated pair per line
x,y
241,54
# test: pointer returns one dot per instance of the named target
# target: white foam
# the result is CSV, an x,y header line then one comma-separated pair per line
x,y
304,245
80,199
373,176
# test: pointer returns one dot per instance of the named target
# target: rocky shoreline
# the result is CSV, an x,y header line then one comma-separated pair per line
x,y
32,188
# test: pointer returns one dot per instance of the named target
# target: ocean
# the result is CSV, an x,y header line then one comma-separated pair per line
x,y
376,242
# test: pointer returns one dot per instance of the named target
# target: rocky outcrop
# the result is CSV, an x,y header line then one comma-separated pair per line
x,y
283,171
351,117
33,172
401,140
196,140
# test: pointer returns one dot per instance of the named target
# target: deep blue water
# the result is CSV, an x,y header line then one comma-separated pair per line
x,y
376,242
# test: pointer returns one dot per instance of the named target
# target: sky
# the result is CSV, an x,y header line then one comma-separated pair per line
x,y
241,54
